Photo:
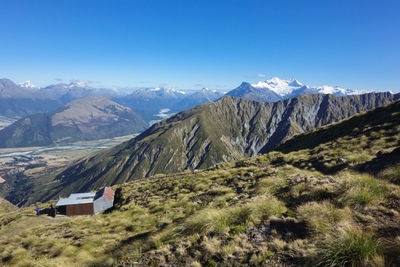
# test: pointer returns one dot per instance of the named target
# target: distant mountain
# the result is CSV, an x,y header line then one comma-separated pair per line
x,y
248,91
276,89
154,103
196,98
228,129
92,117
16,101
29,85
8,89
66,92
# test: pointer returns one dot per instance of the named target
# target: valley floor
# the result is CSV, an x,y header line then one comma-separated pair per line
x,y
29,163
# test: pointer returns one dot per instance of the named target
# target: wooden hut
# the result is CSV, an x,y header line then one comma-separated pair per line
x,y
86,203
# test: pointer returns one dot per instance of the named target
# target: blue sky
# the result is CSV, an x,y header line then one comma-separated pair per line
x,y
193,44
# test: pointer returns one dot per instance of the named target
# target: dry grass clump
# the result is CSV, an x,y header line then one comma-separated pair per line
x,y
265,207
322,217
350,246
219,221
361,190
271,185
391,174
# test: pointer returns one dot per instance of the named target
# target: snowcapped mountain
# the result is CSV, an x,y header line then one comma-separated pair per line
x,y
277,89
151,102
28,85
67,92
198,97
281,87
259,93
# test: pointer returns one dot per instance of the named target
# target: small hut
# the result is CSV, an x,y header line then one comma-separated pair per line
x,y
86,203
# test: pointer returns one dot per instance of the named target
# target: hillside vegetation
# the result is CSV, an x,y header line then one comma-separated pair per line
x,y
327,198
225,130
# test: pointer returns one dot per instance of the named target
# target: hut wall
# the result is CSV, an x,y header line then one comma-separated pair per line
x,y
80,209
102,203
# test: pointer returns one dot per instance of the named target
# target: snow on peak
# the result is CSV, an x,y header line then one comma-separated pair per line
x,y
326,89
28,84
285,88
78,84
338,91
281,87
167,90
206,89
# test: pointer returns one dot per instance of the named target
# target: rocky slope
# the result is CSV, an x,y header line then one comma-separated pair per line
x,y
228,129
83,119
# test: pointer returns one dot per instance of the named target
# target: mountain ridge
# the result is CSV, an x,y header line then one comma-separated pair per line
x,y
228,129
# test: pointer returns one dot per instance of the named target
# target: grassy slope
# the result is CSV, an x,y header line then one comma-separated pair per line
x,y
6,207
228,129
319,203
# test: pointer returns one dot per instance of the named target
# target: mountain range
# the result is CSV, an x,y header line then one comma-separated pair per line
x,y
149,102
277,89
225,130
19,100
152,104
92,117
16,102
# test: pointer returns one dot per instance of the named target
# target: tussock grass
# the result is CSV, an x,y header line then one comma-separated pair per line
x,y
323,217
219,221
363,190
391,174
350,246
271,185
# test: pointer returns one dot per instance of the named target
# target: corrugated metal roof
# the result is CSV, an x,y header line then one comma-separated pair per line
x,y
73,201
81,195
